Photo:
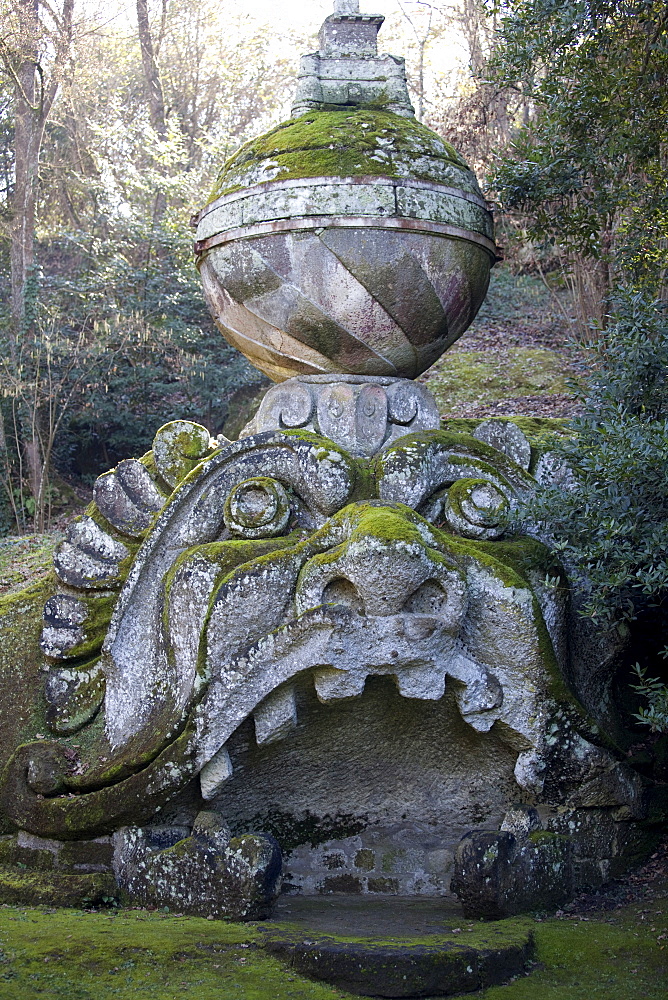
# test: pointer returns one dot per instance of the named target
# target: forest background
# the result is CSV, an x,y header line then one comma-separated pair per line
x,y
115,118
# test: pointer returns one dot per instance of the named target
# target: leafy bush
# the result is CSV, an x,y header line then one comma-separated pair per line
x,y
609,522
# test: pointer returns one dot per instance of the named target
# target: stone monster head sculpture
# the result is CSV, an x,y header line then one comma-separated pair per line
x,y
275,556
344,538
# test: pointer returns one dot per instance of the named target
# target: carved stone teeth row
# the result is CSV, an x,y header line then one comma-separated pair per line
x,y
276,716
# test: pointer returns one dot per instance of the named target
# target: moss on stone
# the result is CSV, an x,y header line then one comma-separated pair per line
x,y
26,887
163,487
544,838
540,432
347,143
21,659
292,831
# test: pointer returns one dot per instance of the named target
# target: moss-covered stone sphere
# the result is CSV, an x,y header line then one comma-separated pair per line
x,y
350,241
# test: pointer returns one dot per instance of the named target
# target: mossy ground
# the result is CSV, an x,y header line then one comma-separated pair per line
x,y
622,955
516,357
99,956
467,377
23,558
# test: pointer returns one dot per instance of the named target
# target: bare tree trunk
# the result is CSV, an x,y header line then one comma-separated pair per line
x,y
156,97
34,97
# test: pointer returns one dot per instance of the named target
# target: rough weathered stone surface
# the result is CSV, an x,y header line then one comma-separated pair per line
x,y
128,497
179,447
74,626
64,616
476,508
258,507
206,874
19,887
347,67
507,437
288,300
89,557
393,970
323,631
497,875
73,696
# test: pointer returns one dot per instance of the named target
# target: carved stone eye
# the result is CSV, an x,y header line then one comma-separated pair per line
x,y
476,508
257,508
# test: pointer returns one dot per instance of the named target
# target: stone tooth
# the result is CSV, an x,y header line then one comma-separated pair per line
x,y
332,684
276,716
215,773
426,682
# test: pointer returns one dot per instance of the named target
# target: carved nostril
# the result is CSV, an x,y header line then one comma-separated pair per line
x,y
429,599
342,591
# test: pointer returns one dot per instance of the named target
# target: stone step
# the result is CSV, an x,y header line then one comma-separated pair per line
x,y
398,947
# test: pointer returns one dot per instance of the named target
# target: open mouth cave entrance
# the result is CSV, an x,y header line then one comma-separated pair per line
x,y
369,794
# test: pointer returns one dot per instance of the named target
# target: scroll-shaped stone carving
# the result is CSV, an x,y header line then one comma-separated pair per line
x,y
258,507
361,414
414,469
476,508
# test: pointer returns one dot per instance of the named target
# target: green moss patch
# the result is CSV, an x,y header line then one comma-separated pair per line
x,y
25,886
478,378
100,956
349,143
623,956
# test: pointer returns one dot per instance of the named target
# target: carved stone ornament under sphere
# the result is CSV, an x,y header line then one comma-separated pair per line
x,y
351,239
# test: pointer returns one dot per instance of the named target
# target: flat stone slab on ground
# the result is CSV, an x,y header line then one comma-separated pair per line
x,y
369,916
397,947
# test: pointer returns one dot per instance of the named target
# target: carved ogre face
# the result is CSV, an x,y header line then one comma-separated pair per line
x,y
279,556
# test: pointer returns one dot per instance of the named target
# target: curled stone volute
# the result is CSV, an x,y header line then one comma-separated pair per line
x,y
363,414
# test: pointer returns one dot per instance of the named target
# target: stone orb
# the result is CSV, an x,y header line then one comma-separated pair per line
x,y
353,241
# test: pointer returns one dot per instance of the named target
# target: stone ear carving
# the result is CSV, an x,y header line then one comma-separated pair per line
x,y
257,508
476,508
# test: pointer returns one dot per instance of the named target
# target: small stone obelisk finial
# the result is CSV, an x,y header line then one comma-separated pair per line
x,y
347,71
